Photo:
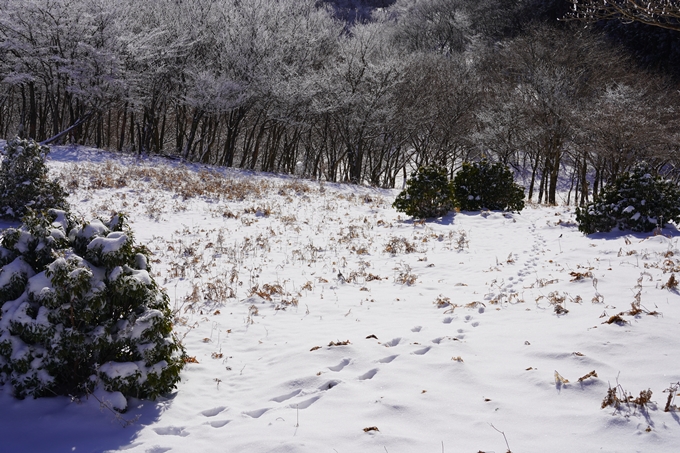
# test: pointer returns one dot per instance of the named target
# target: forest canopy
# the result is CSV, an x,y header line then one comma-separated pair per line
x,y
359,91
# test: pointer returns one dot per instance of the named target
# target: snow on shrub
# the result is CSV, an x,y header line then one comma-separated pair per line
x,y
483,185
428,194
24,183
635,201
80,311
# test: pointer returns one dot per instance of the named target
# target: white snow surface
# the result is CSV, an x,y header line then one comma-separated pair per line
x,y
119,369
342,346
110,244
94,228
15,269
39,284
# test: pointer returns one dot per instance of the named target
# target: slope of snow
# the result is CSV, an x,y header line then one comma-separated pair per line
x,y
322,320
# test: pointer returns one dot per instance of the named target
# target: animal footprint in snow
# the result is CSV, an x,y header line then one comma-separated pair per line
x,y
329,385
447,320
422,351
475,324
368,375
393,342
467,318
218,423
287,396
212,412
417,329
257,413
437,340
171,431
340,365
306,403
158,449
388,359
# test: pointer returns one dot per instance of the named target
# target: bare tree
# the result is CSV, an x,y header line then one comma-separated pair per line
x,y
440,26
631,120
356,93
437,100
540,83
61,58
658,13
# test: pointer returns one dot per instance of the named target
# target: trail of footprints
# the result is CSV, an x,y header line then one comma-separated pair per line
x,y
182,431
301,398
529,266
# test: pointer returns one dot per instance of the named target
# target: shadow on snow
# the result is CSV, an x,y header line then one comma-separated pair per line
x,y
63,424
669,231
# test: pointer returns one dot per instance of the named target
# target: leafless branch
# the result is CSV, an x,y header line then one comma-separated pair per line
x,y
658,13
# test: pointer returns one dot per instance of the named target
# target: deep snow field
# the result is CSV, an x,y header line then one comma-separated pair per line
x,y
319,319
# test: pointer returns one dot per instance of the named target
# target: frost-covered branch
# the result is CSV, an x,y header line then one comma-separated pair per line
x,y
658,13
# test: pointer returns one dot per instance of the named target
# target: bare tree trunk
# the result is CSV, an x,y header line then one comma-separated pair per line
x,y
121,140
73,127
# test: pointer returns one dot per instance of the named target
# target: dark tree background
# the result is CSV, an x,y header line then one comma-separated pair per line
x,y
348,90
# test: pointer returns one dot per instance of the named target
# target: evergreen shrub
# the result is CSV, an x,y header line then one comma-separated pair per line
x,y
80,310
428,194
24,183
635,201
486,185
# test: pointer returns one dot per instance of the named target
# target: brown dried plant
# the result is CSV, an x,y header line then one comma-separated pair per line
x,y
406,276
616,319
397,245
175,179
592,374
442,301
617,397
671,284
578,276
672,391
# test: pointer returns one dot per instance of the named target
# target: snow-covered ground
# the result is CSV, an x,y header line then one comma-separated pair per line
x,y
321,320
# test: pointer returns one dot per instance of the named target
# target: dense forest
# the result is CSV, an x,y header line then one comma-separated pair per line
x,y
360,91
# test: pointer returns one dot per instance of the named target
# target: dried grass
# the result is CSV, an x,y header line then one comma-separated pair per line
x,y
617,398
399,245
180,180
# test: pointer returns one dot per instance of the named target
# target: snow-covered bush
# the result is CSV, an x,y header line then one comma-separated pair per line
x,y
486,185
428,193
80,311
635,201
24,183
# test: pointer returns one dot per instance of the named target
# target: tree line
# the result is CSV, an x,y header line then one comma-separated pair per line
x,y
337,90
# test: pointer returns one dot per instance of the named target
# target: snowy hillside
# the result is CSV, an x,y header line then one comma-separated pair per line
x,y
318,319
